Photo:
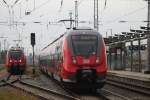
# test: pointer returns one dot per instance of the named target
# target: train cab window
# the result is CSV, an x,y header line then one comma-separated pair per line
x,y
16,54
84,45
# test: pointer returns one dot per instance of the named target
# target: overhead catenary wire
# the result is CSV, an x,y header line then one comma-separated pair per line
x,y
78,5
5,3
61,4
74,9
105,4
102,12
60,9
46,2
125,15
11,11
36,8
1,3
15,2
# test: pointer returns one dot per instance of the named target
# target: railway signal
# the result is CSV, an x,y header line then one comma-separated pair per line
x,y
32,39
33,43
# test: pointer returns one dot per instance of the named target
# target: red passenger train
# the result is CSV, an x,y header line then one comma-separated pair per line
x,y
77,59
16,61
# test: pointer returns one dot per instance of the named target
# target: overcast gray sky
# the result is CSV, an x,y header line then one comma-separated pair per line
x,y
133,11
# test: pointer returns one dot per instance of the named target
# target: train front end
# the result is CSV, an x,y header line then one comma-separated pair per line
x,y
16,61
84,59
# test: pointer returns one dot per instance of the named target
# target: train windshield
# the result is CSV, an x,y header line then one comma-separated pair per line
x,y
16,54
84,45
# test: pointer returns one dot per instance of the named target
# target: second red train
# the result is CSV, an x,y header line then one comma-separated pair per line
x,y
16,61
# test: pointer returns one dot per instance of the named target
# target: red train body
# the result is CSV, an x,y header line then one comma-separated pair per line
x,y
16,61
77,59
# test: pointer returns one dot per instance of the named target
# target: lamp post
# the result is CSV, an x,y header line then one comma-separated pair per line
x,y
147,70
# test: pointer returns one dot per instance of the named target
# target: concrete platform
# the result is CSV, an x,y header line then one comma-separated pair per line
x,y
130,75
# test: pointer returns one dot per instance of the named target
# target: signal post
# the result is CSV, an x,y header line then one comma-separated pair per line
x,y
33,43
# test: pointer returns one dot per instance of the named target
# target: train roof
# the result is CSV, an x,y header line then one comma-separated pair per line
x,y
80,30
16,48
83,30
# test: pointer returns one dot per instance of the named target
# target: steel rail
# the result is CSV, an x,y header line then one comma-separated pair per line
x,y
106,93
5,83
72,93
131,87
29,92
81,96
62,86
49,91
67,90
11,84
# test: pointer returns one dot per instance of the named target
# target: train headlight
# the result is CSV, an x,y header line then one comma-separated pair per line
x,y
20,60
74,60
10,61
98,60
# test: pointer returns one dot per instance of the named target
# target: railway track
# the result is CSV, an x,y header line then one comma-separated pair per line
x,y
84,95
67,90
4,83
35,90
46,93
109,95
136,88
124,91
60,96
41,92
102,94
